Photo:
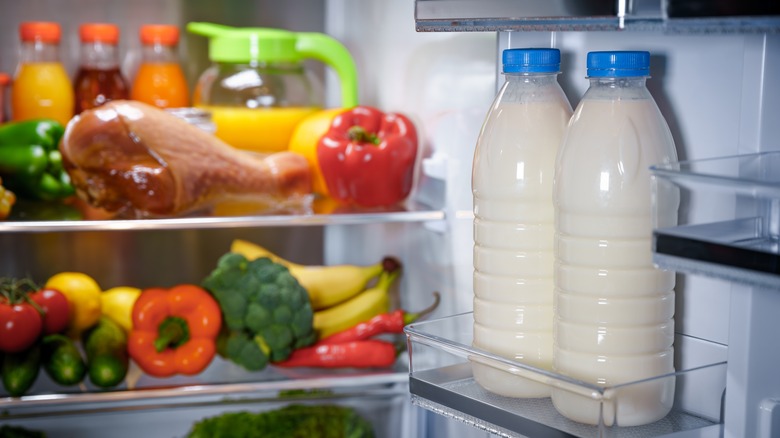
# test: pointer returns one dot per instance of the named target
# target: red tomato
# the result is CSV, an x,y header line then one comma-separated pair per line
x,y
55,309
20,326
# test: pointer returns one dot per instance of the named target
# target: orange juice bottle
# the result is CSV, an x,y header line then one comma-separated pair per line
x,y
41,86
160,80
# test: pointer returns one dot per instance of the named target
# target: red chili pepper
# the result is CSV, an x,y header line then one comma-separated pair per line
x,y
356,354
367,157
391,322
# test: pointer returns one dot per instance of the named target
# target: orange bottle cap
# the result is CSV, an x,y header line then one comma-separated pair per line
x,y
44,31
165,34
99,32
4,79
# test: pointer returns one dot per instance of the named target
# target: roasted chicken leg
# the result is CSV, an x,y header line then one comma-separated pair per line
x,y
137,160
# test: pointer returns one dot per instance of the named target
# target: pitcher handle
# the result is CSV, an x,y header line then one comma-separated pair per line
x,y
330,51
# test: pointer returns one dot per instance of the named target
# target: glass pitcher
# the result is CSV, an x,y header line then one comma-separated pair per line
x,y
258,88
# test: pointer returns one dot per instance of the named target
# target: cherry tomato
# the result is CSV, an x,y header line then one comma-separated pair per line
x,y
56,310
20,326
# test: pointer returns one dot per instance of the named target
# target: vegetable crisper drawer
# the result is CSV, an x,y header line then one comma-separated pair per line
x,y
730,228
370,412
441,380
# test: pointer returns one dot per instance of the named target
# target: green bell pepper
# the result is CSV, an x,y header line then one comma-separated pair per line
x,y
44,132
30,160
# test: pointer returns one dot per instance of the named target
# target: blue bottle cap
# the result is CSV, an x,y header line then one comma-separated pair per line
x,y
618,64
531,60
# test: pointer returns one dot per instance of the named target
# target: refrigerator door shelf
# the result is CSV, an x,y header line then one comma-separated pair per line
x,y
441,380
739,239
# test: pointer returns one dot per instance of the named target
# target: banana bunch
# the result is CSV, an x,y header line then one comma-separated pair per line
x,y
340,294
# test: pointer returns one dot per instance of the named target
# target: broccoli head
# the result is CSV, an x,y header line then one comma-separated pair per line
x,y
266,311
292,421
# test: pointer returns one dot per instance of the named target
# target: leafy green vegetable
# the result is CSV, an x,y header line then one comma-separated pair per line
x,y
293,421
266,311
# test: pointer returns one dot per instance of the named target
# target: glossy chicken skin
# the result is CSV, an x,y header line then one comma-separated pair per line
x,y
137,160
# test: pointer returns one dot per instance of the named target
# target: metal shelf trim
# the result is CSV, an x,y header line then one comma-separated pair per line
x,y
411,214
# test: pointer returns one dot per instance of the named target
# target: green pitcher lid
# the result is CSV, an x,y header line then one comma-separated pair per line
x,y
245,44
253,44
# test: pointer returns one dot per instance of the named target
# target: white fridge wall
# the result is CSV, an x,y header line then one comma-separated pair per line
x,y
446,82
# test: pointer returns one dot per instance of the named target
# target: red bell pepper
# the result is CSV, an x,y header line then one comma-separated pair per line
x,y
174,330
368,157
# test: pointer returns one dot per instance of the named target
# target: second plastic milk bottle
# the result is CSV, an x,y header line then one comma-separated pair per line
x,y
512,181
613,308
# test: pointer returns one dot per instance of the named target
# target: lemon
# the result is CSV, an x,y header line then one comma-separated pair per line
x,y
83,294
117,304
304,140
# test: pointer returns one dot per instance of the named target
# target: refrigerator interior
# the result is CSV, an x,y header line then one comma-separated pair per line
x,y
717,90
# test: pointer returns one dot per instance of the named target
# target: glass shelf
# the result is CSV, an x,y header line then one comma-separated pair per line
x,y
221,383
441,380
738,239
408,212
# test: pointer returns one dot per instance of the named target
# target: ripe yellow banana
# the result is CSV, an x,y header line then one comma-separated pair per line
x,y
326,285
357,309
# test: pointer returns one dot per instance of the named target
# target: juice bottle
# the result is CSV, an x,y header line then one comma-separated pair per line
x,y
614,309
160,80
41,86
98,79
512,185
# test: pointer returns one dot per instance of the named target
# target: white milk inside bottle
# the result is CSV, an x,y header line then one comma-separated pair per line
x,y
614,310
512,178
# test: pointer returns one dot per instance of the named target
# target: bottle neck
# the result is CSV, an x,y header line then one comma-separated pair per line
x,y
533,78
159,53
33,51
100,56
531,88
633,87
